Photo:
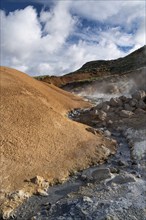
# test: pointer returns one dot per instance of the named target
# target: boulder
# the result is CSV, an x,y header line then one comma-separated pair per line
x,y
114,170
112,109
113,102
139,111
133,102
101,174
128,107
120,102
141,104
122,163
40,181
117,110
109,122
99,106
93,112
105,107
107,133
127,100
96,112
126,114
139,95
123,98
102,115
96,174
123,178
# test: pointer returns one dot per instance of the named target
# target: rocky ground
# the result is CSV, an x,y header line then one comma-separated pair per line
x,y
115,190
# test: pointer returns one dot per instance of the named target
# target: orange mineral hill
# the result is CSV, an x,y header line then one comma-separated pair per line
x,y
37,137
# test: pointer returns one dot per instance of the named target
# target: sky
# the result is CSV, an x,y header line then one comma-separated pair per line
x,y
55,37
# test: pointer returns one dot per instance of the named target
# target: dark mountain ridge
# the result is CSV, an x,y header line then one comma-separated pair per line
x,y
101,68
130,62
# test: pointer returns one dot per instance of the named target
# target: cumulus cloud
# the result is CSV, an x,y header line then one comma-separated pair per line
x,y
21,31
69,33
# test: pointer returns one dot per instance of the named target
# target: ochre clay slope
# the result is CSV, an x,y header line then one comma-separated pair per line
x,y
37,138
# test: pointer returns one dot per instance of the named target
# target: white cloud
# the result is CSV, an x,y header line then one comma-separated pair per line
x,y
105,10
96,10
44,44
44,68
116,36
20,32
58,25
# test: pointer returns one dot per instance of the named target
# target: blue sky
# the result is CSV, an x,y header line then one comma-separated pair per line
x,y
57,37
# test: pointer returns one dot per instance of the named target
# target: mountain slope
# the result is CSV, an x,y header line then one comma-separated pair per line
x,y
37,138
101,68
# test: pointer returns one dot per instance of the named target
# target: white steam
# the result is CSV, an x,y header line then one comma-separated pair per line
x,y
114,86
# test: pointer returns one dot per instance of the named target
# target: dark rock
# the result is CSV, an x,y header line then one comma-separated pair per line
x,y
134,163
128,107
96,174
126,114
133,102
109,122
114,170
113,102
105,107
122,163
139,95
139,111
123,98
101,174
99,106
123,178
141,105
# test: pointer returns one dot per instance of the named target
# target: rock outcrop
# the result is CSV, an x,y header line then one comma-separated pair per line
x,y
116,111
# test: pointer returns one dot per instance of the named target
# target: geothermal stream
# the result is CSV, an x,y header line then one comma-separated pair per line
x,y
39,206
118,196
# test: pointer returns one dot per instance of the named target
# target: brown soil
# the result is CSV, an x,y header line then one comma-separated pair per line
x,y
37,138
